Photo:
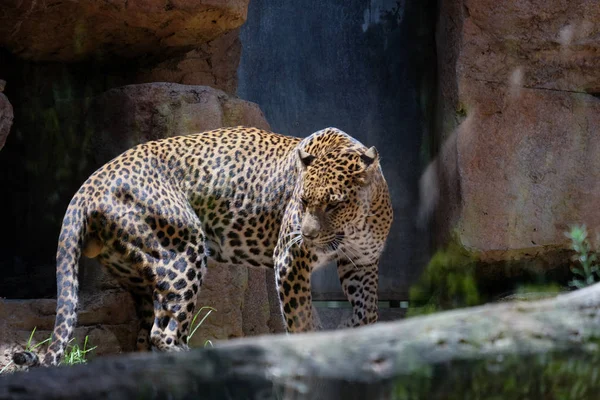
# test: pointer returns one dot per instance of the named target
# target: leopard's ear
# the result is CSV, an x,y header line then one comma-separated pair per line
x,y
305,158
370,156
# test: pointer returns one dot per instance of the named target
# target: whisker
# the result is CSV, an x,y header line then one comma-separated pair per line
x,y
292,242
349,259
353,252
292,233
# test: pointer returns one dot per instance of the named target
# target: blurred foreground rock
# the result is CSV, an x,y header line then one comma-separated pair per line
x,y
534,349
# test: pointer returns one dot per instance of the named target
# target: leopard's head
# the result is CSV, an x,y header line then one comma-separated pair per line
x,y
334,194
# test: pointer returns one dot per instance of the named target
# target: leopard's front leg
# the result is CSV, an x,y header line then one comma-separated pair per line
x,y
292,272
360,282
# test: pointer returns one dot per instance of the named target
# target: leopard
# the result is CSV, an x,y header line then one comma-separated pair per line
x,y
163,213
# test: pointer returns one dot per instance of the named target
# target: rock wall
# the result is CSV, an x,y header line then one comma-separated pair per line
x,y
518,109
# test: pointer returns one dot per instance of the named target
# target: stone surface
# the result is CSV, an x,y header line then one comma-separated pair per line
x,y
542,44
212,64
239,295
123,117
102,30
519,114
529,168
107,318
6,117
224,290
256,312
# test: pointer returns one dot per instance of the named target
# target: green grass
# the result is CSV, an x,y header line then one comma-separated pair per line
x,y
194,326
75,354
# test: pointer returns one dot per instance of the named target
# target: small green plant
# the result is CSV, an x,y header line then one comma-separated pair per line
x,y
76,354
589,272
194,326
448,282
29,347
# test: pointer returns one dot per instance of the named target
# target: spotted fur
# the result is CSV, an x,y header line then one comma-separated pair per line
x,y
157,213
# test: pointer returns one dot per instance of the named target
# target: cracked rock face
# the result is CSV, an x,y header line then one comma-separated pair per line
x,y
104,29
518,81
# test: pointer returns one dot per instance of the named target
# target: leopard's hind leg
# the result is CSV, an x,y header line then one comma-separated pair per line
x,y
145,312
164,258
175,298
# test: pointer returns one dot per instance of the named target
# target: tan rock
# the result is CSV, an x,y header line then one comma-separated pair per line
x,y
520,164
276,323
531,44
256,311
6,117
123,117
528,169
111,307
212,64
69,31
223,290
28,314
541,44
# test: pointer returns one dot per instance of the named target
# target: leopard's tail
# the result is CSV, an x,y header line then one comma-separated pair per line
x,y
67,262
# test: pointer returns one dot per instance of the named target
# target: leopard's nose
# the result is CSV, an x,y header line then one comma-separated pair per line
x,y
311,227
310,235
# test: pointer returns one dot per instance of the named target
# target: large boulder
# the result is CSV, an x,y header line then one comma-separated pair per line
x,y
100,29
123,117
528,169
244,300
518,82
6,115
